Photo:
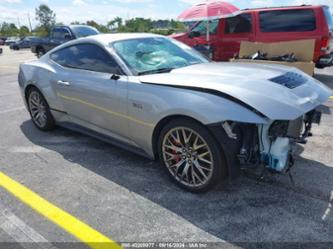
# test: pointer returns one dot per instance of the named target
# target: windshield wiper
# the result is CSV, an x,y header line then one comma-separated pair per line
x,y
159,70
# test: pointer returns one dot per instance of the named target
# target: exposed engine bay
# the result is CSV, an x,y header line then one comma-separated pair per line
x,y
270,145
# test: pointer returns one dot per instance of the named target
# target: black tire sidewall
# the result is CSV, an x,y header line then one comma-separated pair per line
x,y
219,167
40,52
50,122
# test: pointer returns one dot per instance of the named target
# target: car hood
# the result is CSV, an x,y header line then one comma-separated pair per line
x,y
250,84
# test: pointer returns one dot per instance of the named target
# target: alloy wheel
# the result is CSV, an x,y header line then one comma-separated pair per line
x,y
188,157
37,109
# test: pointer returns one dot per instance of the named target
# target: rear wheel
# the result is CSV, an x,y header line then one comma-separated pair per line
x,y
39,110
191,155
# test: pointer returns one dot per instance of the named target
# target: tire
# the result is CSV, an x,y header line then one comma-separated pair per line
x,y
195,160
40,52
39,110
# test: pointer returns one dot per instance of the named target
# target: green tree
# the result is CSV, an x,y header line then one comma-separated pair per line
x,y
136,25
76,23
163,27
24,31
4,28
8,29
46,17
115,23
101,28
40,31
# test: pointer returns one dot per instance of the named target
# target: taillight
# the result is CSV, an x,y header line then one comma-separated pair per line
x,y
324,43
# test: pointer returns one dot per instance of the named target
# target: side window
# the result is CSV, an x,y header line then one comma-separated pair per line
x,y
238,24
201,27
287,20
86,57
60,34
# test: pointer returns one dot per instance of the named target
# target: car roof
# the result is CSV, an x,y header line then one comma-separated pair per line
x,y
286,8
80,26
106,39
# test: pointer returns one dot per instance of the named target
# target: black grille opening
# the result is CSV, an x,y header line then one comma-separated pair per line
x,y
290,80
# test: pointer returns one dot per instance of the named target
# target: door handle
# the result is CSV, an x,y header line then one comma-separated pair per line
x,y
63,83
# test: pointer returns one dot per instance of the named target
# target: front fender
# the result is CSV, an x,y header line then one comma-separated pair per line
x,y
208,108
148,104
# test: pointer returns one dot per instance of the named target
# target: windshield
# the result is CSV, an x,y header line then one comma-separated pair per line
x,y
156,54
328,17
84,31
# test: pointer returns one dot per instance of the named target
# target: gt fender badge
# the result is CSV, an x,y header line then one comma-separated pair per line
x,y
137,105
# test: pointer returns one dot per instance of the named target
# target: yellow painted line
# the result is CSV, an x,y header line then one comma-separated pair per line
x,y
69,223
105,110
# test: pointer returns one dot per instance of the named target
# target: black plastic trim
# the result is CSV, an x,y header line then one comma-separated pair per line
x,y
105,138
230,149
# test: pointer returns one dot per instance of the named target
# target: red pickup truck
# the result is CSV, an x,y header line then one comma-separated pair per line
x,y
266,25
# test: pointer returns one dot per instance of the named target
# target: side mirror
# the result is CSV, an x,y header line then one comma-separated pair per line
x,y
194,34
115,77
68,37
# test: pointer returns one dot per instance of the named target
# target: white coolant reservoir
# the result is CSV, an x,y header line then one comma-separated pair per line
x,y
279,153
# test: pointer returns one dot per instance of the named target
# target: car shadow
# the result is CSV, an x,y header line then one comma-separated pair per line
x,y
242,211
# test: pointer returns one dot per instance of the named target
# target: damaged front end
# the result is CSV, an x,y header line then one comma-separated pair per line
x,y
277,138
264,146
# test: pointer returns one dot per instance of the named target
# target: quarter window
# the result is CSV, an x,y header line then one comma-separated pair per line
x,y
287,21
238,24
86,57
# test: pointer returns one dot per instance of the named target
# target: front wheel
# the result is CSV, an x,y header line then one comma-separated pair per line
x,y
191,155
40,52
39,110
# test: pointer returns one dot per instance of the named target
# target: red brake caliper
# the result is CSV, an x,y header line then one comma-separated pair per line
x,y
177,156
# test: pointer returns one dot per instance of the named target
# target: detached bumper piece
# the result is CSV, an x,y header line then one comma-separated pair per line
x,y
313,117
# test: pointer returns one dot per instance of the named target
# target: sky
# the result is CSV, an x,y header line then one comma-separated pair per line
x,y
17,11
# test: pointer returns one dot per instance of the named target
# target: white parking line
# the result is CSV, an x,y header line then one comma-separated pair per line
x,y
12,110
61,148
21,232
329,208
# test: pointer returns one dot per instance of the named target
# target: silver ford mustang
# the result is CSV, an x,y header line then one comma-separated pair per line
x,y
155,96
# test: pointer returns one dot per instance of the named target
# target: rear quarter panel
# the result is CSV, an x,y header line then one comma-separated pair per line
x,y
39,74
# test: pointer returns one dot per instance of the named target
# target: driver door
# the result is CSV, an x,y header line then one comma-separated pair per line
x,y
88,92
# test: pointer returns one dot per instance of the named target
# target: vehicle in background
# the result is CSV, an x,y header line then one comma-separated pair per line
x,y
25,42
2,42
265,25
11,40
60,35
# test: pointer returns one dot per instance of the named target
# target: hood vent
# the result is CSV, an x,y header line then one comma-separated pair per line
x,y
290,80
